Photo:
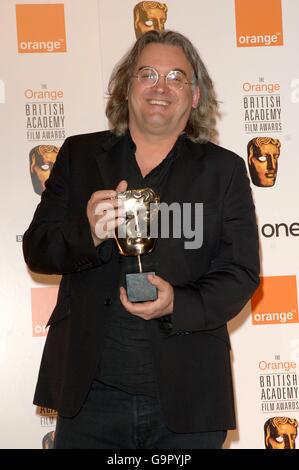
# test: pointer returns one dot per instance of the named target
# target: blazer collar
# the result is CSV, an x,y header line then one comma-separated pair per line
x,y
190,155
110,167
110,141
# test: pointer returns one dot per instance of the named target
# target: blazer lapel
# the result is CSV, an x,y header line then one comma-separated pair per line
x,y
185,170
110,167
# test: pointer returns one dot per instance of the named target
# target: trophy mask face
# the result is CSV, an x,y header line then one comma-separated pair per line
x,y
282,436
140,208
263,161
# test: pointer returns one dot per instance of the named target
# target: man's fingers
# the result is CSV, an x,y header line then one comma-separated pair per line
x,y
106,229
143,309
104,200
157,281
107,212
102,195
122,186
103,206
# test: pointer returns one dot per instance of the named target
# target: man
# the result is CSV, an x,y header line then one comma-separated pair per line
x,y
42,159
263,154
153,374
149,16
280,433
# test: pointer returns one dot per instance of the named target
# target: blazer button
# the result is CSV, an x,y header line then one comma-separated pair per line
x,y
107,302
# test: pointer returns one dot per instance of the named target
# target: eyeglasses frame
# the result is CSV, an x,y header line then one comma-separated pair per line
x,y
158,75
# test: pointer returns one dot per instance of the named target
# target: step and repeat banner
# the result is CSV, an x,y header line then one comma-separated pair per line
x,y
56,59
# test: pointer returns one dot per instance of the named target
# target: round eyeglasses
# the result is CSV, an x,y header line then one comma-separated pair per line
x,y
148,76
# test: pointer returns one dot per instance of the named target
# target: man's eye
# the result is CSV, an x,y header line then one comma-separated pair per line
x,y
175,77
262,158
148,75
149,22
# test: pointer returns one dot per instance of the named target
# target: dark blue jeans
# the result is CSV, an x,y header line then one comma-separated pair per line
x,y
113,419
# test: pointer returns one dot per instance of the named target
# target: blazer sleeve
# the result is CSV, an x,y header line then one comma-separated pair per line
x,y
233,275
56,242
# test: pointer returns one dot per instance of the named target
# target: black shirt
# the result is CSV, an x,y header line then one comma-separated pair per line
x,y
127,361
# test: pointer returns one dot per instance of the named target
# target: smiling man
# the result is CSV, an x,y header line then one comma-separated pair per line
x,y
154,374
159,101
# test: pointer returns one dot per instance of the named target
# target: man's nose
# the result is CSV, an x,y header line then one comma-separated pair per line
x,y
161,84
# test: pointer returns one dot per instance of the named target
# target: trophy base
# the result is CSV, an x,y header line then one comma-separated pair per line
x,y
139,289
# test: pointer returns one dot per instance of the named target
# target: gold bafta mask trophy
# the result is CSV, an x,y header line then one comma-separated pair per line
x,y
137,236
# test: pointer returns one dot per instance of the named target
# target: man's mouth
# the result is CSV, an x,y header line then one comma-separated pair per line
x,y
270,175
159,102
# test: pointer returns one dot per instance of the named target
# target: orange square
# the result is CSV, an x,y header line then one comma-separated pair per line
x,y
43,301
258,23
41,28
275,301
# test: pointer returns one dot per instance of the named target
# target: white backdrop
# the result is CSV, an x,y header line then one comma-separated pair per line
x,y
98,33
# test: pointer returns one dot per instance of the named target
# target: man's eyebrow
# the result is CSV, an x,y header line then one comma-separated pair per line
x,y
145,67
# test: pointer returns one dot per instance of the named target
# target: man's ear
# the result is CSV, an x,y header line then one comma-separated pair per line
x,y
195,97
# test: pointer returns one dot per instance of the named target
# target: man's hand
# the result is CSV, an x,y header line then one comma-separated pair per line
x,y
152,309
103,213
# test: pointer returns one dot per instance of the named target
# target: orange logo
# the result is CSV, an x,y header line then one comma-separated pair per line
x,y
41,28
275,301
43,301
258,23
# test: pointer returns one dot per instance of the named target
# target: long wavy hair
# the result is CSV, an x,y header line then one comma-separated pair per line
x,y
201,125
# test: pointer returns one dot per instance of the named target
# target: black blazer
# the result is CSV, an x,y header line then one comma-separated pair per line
x,y
211,284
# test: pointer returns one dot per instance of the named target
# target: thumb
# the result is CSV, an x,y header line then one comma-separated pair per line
x,y
122,186
155,280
